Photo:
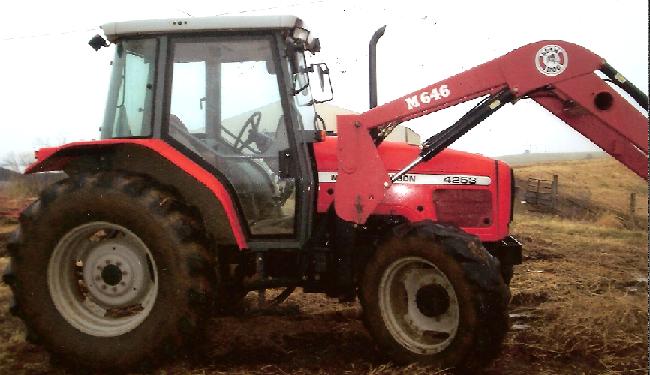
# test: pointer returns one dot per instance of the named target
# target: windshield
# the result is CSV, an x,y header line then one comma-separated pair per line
x,y
130,97
302,95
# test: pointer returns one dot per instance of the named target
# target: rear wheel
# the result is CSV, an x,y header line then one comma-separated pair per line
x,y
433,294
110,271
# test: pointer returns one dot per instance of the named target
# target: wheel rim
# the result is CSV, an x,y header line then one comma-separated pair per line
x,y
102,279
418,305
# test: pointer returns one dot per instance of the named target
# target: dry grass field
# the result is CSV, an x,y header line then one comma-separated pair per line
x,y
579,301
594,187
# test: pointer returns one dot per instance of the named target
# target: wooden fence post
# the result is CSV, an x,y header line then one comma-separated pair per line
x,y
554,189
633,208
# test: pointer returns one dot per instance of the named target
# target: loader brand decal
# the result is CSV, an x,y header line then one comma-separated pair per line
x,y
426,97
423,179
551,60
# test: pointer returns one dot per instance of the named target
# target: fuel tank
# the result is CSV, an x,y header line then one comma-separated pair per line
x,y
468,190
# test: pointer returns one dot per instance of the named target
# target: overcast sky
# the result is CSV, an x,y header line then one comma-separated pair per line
x,y
54,85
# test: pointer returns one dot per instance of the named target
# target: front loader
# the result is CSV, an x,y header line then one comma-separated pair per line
x,y
215,177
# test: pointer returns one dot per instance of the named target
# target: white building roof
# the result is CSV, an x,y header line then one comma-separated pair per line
x,y
114,30
329,112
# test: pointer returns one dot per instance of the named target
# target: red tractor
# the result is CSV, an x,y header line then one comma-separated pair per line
x,y
215,177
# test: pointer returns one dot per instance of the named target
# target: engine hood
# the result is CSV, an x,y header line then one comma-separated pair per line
x,y
396,155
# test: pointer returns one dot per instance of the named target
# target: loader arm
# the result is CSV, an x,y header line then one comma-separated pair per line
x,y
558,75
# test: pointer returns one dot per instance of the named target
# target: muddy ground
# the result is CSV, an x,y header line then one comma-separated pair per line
x,y
579,305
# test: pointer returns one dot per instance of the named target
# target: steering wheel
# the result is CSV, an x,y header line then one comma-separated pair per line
x,y
254,122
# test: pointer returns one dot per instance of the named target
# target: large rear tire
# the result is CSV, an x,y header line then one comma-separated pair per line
x,y
432,294
110,271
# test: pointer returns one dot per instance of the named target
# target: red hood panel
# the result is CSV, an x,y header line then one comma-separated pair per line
x,y
396,155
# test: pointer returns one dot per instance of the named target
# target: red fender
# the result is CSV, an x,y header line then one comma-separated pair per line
x,y
56,158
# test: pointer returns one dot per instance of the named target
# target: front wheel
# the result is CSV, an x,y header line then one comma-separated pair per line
x,y
110,271
433,294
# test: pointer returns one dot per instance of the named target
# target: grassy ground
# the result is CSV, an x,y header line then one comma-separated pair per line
x,y
580,298
548,157
599,184
579,305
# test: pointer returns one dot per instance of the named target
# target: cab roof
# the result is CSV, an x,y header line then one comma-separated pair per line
x,y
115,30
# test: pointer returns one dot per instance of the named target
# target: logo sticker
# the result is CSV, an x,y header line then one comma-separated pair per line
x,y
422,179
551,60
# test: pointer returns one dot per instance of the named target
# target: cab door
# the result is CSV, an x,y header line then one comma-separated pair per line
x,y
229,108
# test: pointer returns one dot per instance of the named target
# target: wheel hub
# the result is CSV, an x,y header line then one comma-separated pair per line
x,y
112,274
419,305
102,279
432,300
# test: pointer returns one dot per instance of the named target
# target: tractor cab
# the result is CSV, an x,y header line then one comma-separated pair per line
x,y
234,95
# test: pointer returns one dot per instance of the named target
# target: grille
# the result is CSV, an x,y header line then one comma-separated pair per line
x,y
464,207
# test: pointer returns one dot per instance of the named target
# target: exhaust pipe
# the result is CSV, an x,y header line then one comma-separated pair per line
x,y
372,60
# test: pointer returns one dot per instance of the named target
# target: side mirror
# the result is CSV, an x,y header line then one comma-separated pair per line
x,y
321,73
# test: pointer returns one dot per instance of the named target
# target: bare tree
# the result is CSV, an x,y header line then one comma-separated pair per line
x,y
25,186
17,162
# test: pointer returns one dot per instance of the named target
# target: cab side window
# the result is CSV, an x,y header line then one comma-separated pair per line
x,y
226,107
